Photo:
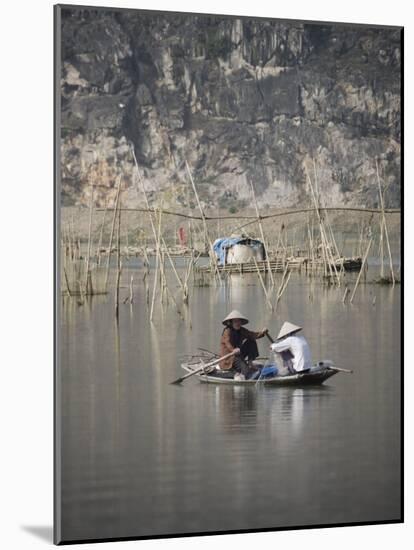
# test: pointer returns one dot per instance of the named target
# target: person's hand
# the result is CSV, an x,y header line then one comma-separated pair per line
x,y
236,351
264,331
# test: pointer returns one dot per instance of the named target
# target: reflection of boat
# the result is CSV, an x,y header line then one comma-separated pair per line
x,y
314,376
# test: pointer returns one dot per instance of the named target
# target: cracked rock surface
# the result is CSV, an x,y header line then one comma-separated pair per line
x,y
243,100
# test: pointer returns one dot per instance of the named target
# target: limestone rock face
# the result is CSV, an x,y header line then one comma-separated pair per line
x,y
242,100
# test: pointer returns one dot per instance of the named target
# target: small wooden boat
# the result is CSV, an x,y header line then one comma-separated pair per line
x,y
316,375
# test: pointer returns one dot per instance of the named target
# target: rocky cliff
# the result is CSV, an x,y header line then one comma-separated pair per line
x,y
243,100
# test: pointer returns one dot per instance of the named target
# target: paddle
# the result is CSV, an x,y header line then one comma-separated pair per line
x,y
207,365
341,370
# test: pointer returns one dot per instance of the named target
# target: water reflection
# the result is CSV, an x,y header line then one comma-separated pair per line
x,y
144,457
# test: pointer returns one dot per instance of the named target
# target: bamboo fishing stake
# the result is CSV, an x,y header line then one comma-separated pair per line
x,y
98,252
382,247
385,224
119,264
131,291
112,234
361,270
88,253
211,250
330,257
154,231
157,260
259,219
328,261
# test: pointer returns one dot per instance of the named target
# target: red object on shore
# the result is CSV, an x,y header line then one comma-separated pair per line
x,y
182,236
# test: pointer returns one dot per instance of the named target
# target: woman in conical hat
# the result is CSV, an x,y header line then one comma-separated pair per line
x,y
288,329
289,341
236,337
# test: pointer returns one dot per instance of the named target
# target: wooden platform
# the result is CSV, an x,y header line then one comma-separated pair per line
x,y
279,265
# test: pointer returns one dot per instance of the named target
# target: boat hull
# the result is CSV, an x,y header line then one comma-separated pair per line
x,y
315,377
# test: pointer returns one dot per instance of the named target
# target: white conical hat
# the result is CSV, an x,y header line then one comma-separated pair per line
x,y
235,315
288,328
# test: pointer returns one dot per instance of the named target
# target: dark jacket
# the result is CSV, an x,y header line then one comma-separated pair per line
x,y
227,344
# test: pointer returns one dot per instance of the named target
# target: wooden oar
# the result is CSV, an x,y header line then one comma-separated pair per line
x,y
340,370
207,365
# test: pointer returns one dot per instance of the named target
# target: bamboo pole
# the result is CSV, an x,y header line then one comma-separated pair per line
x,y
112,234
88,253
98,252
131,290
361,270
382,247
203,217
328,258
329,254
261,232
157,261
385,224
119,265
253,219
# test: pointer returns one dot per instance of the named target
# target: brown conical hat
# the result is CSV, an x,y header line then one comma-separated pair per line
x,y
287,328
235,315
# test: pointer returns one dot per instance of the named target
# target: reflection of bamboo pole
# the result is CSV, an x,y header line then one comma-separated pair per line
x,y
112,233
345,294
269,303
67,281
283,288
385,224
361,270
259,219
382,247
172,264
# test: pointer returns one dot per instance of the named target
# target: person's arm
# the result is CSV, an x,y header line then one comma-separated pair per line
x,y
278,347
255,335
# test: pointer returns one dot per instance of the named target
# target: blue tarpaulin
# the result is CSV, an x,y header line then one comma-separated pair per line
x,y
220,246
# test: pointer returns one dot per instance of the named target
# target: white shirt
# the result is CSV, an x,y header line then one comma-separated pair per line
x,y
299,348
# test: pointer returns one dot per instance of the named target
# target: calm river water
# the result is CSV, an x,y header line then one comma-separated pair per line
x,y
143,457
